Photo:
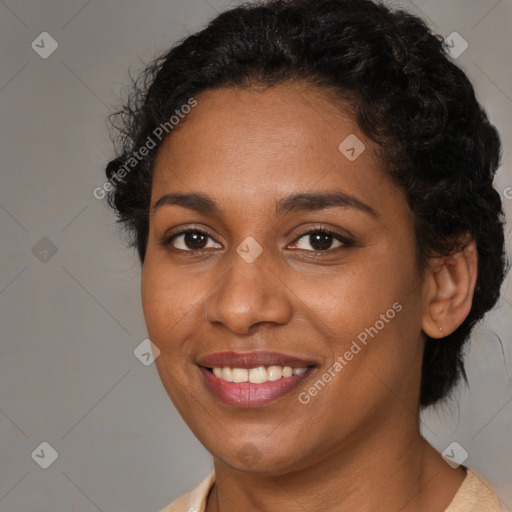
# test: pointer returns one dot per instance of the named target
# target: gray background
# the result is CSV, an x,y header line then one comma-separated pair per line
x,y
70,321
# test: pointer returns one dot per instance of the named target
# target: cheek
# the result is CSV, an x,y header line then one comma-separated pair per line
x,y
163,309
354,296
376,306
167,298
157,303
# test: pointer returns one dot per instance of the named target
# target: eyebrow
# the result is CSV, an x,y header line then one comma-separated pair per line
x,y
311,201
194,201
320,200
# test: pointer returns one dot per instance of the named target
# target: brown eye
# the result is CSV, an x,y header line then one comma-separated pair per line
x,y
191,240
320,241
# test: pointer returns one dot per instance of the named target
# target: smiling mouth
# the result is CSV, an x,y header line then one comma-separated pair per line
x,y
253,379
253,387
256,375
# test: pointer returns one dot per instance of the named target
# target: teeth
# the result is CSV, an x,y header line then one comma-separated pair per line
x,y
256,375
287,371
240,375
275,372
227,374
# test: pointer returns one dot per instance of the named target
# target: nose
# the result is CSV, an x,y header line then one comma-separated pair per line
x,y
250,294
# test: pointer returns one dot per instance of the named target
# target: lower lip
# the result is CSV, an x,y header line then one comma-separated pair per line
x,y
247,394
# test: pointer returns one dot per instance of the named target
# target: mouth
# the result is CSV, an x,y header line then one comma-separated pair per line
x,y
252,379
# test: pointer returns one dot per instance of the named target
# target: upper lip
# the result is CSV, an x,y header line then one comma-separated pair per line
x,y
252,360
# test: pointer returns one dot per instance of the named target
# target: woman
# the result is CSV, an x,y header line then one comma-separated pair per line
x,y
309,186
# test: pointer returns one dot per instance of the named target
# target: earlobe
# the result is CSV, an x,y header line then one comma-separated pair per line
x,y
449,296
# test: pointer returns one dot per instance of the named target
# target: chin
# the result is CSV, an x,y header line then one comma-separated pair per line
x,y
251,456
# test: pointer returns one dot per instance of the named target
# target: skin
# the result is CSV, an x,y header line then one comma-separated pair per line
x,y
356,445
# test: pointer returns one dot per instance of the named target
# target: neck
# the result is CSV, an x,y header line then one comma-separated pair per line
x,y
383,472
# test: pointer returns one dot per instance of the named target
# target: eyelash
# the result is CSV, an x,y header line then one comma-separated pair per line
x,y
166,241
346,243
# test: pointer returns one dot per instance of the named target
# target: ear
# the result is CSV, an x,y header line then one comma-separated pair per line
x,y
449,288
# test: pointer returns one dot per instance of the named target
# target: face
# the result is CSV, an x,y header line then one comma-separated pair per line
x,y
271,247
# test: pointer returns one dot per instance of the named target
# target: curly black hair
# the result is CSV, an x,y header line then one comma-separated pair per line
x,y
407,96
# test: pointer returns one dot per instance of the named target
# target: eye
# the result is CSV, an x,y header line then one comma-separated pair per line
x,y
314,240
191,240
321,240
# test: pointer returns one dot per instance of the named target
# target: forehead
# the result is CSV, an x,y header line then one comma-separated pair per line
x,y
256,142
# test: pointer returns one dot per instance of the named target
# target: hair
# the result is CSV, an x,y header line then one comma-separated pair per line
x,y
407,96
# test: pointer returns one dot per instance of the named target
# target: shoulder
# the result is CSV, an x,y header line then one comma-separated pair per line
x,y
193,501
475,494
